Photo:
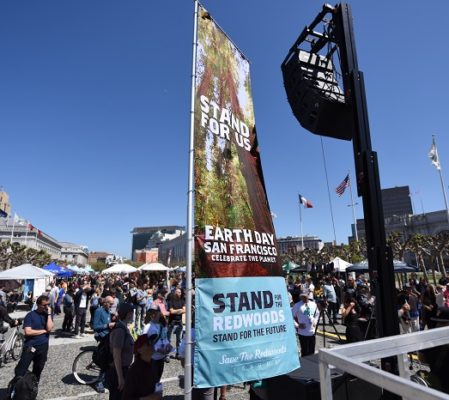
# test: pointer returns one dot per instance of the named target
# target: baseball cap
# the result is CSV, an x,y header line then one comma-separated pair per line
x,y
145,339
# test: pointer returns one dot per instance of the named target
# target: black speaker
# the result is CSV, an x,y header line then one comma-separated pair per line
x,y
315,97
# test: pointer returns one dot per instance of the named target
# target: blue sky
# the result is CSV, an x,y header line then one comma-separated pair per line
x,y
95,100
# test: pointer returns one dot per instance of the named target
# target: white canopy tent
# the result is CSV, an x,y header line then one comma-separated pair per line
x,y
157,267
78,270
25,271
36,279
120,269
153,267
340,265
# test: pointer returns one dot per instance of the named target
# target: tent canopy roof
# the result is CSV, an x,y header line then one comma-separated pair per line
x,y
340,264
119,269
399,267
24,271
153,267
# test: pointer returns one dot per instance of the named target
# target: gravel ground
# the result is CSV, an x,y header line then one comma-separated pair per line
x,y
58,383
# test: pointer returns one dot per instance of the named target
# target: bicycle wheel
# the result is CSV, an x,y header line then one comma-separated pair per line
x,y
17,347
419,380
84,369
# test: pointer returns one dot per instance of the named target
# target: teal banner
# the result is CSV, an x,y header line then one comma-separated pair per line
x,y
244,330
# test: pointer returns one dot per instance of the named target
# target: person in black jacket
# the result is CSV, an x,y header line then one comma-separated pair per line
x,y
82,298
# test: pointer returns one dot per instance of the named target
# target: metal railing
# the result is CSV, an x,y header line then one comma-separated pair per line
x,y
351,358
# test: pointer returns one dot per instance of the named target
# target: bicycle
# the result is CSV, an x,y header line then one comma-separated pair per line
x,y
13,345
418,370
84,368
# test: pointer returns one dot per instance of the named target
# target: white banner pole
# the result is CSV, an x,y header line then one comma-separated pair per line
x,y
190,248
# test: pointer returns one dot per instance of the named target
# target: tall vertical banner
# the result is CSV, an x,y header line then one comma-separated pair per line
x,y
243,324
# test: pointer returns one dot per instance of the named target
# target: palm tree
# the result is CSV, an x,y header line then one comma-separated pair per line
x,y
417,244
39,258
398,245
17,254
4,254
12,255
440,245
326,254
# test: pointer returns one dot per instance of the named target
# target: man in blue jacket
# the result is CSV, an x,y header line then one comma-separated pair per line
x,y
102,319
102,325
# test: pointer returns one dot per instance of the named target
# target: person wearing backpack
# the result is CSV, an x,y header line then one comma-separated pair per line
x,y
121,344
37,326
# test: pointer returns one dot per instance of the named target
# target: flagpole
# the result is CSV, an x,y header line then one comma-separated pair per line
x,y
188,335
300,223
26,235
353,210
13,225
422,205
440,170
328,191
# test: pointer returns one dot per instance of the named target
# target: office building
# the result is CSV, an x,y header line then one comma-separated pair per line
x,y
5,207
152,236
146,256
173,252
74,253
29,236
293,244
396,201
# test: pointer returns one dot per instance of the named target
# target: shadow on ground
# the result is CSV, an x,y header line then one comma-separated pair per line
x,y
70,380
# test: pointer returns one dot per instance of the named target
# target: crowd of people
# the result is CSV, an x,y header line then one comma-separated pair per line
x,y
133,319
351,303
420,305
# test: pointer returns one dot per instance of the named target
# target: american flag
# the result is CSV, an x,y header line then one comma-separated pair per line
x,y
340,189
